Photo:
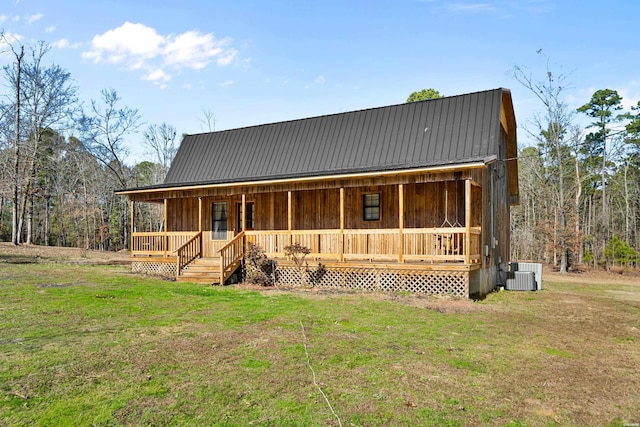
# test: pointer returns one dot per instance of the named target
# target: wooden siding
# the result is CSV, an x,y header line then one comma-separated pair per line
x,y
316,210
426,205
270,210
182,214
353,210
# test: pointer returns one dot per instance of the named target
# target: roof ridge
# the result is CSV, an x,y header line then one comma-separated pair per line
x,y
347,112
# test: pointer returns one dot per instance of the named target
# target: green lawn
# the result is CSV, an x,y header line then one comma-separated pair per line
x,y
84,345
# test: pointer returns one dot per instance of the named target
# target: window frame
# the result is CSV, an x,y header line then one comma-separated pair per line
x,y
250,215
216,223
369,208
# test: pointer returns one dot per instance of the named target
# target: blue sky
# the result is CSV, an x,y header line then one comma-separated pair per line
x,y
255,62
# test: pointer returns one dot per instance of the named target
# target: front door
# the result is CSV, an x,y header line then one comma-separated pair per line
x,y
219,221
249,216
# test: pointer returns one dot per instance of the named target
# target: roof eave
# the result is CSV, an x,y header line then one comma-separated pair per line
x,y
475,164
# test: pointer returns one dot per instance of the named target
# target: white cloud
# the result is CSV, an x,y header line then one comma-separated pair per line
x,y
158,78
3,18
227,83
50,29
61,44
65,44
139,47
317,81
630,94
470,7
126,44
194,50
11,38
34,18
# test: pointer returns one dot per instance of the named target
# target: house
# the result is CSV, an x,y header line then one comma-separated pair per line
x,y
411,197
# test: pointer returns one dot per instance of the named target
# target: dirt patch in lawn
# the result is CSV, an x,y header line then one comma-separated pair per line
x,y
28,254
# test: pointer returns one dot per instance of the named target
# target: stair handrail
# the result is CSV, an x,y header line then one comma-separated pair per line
x,y
189,251
230,255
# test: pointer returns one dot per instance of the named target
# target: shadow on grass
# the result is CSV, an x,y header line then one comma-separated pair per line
x,y
20,259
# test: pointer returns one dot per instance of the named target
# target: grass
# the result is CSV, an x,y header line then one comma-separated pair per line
x,y
97,345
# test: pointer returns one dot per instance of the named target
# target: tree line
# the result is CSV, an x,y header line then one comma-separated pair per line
x,y
579,184
61,161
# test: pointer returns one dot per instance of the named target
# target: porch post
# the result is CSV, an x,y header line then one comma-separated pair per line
x,y
400,222
199,214
165,242
132,208
341,243
467,221
289,218
244,212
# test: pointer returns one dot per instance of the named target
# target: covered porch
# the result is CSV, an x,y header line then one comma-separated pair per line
x,y
423,220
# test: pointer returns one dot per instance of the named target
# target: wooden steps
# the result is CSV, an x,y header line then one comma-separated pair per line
x,y
202,270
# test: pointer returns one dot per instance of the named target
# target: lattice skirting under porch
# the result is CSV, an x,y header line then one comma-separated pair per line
x,y
453,283
156,268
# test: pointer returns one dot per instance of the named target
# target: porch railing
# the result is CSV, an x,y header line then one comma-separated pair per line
x,y
188,252
231,256
159,243
418,244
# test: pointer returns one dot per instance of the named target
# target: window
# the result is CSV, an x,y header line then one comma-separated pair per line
x,y
219,226
250,216
371,207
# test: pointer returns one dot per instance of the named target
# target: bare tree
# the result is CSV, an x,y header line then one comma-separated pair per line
x,y
49,101
208,121
161,141
14,74
550,128
105,135
106,131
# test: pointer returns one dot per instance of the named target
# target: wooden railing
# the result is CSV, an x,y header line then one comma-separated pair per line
x,y
189,251
159,243
231,256
418,244
443,244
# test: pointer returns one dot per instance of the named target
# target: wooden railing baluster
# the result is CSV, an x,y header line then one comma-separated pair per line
x,y
231,255
188,252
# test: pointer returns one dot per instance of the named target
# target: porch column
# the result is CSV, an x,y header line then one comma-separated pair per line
x,y
467,221
199,214
341,243
132,212
400,222
165,242
289,218
244,212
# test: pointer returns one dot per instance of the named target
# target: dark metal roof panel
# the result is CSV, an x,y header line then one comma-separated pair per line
x,y
443,131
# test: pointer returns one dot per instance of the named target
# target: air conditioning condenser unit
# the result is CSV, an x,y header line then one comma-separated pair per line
x,y
521,281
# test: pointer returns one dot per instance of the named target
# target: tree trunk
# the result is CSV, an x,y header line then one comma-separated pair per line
x,y
47,228
627,233
15,226
563,216
29,220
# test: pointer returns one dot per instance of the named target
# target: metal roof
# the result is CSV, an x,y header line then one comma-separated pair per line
x,y
445,131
